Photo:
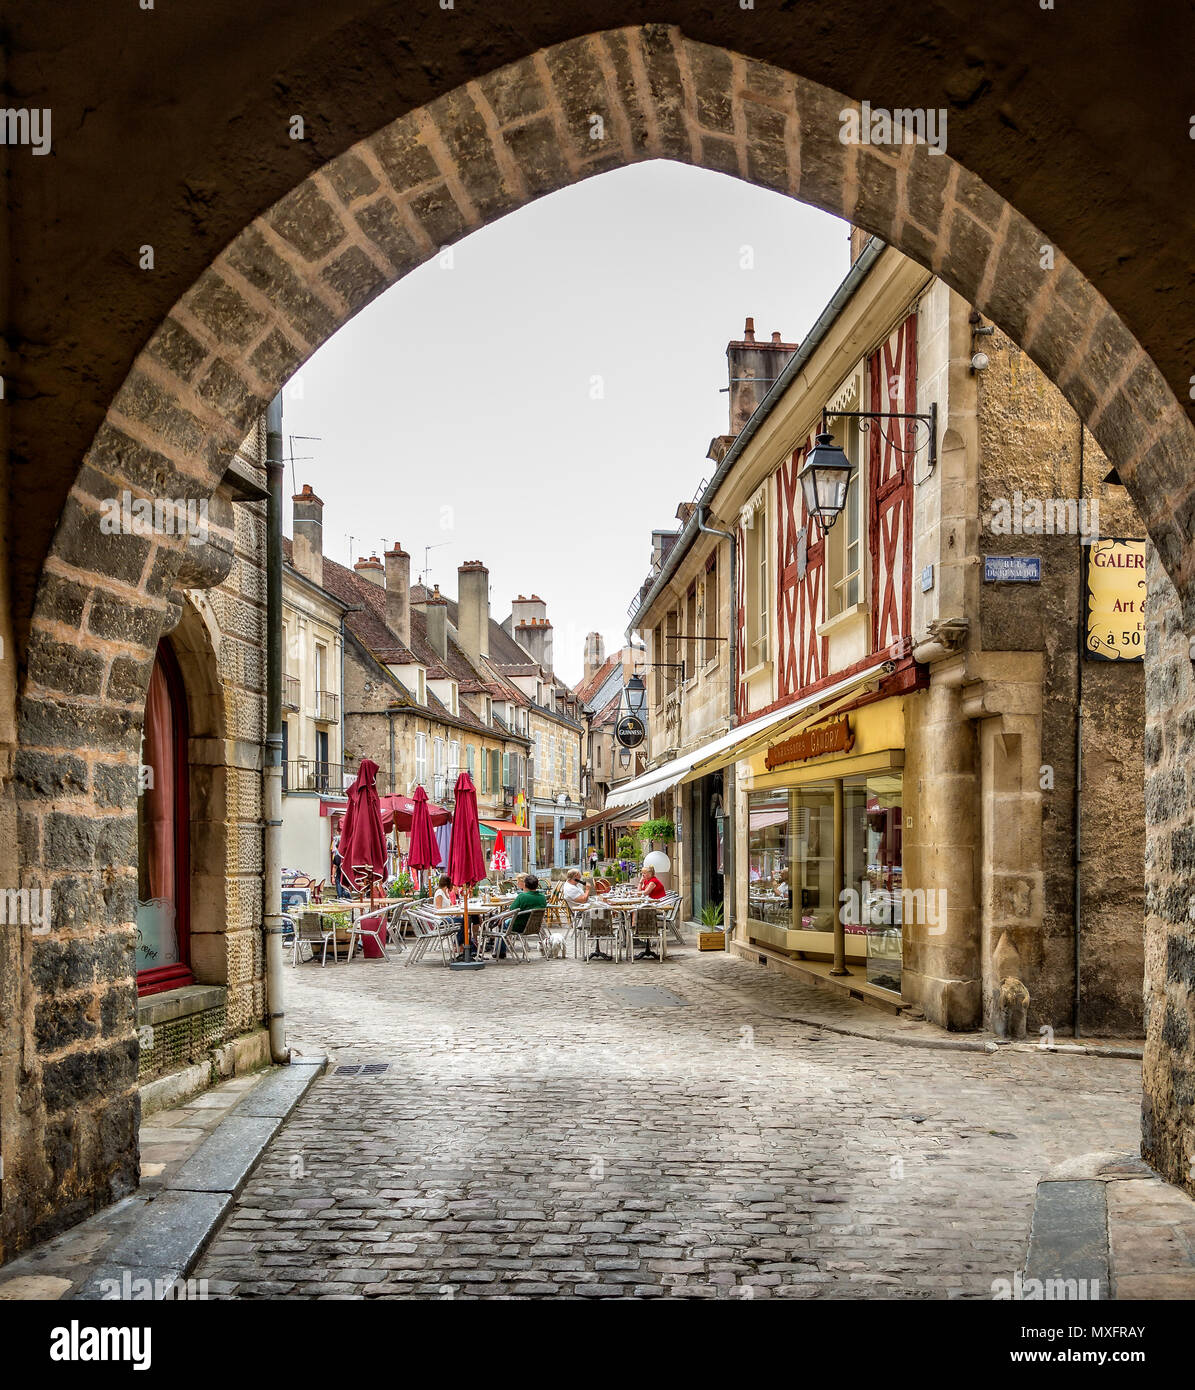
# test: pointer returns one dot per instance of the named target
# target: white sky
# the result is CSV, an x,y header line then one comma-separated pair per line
x,y
457,410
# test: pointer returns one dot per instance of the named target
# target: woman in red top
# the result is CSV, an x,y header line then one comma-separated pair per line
x,y
651,885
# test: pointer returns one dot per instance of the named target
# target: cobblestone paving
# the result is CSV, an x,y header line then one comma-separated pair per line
x,y
535,1132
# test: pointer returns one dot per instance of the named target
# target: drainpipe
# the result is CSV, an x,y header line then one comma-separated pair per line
x,y
1077,889
729,781
273,751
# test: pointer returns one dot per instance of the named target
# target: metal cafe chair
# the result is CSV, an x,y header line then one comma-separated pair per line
x,y
671,912
598,926
494,937
650,924
430,930
377,926
312,928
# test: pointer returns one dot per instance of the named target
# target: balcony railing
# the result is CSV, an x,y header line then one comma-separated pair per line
x,y
327,706
309,775
290,692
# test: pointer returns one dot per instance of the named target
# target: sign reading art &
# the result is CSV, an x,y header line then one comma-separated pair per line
x,y
837,737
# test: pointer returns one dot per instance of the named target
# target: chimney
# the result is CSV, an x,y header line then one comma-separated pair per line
x,y
307,525
398,593
595,653
373,570
753,368
473,609
434,608
534,635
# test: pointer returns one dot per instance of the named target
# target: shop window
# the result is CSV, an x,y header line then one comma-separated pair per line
x,y
163,834
769,859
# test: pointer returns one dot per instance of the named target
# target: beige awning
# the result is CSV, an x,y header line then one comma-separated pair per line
x,y
740,742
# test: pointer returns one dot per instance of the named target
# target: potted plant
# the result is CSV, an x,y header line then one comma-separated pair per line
x,y
662,829
712,916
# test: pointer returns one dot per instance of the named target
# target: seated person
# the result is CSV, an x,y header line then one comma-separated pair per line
x,y
576,892
651,885
444,895
527,902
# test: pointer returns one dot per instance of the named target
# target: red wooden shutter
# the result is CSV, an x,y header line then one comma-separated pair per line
x,y
892,370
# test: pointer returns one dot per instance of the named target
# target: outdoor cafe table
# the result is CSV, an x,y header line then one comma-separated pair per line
x,y
338,907
624,907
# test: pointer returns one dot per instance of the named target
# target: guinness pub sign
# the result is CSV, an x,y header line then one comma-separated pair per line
x,y
812,743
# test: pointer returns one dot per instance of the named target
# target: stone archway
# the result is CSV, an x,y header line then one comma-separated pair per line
x,y
299,272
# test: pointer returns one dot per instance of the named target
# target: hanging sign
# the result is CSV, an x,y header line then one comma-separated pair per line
x,y
1114,600
837,737
630,731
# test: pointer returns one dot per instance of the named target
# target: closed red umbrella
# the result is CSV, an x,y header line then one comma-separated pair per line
x,y
362,837
499,859
466,859
425,852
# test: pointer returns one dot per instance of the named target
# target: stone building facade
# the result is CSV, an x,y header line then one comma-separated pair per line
x,y
1168,1110
901,705
149,962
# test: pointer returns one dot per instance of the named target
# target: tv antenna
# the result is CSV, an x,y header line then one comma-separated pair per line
x,y
301,458
427,550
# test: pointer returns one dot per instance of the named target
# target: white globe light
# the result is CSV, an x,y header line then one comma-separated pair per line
x,y
657,861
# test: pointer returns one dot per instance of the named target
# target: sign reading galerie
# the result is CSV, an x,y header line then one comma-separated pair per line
x,y
837,737
1114,597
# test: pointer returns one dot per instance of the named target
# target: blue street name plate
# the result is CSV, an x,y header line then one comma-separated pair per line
x,y
1012,569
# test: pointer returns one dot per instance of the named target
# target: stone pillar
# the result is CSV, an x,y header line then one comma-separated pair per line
x,y
1168,1073
941,854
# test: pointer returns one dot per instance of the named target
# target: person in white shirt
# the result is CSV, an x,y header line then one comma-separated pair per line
x,y
575,891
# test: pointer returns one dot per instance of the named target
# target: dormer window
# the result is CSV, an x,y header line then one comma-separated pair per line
x,y
489,711
539,692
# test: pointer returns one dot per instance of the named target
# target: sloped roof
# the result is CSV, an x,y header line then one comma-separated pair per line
x,y
590,687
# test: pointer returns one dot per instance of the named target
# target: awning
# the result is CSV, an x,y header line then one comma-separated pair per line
x,y
503,827
616,815
738,743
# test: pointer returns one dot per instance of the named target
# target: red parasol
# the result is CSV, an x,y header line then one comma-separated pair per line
x,y
362,837
402,809
424,852
466,859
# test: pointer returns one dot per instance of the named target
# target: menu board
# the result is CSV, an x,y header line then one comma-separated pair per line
x,y
1115,600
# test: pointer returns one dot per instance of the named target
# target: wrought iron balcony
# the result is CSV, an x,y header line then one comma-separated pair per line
x,y
327,706
290,692
309,775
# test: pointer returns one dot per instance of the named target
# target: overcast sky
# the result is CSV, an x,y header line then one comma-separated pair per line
x,y
548,399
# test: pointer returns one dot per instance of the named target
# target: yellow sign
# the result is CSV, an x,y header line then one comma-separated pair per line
x,y
1115,600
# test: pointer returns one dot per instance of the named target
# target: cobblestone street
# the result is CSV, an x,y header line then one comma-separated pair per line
x,y
539,1130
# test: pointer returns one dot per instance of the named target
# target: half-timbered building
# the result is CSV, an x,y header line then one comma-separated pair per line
x,y
930,769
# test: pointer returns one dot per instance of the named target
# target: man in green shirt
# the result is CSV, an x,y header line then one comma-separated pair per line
x,y
527,902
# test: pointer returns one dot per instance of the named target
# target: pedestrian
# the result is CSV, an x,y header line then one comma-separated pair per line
x,y
528,901
337,868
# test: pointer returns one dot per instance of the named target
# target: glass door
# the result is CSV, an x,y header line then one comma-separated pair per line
x,y
872,849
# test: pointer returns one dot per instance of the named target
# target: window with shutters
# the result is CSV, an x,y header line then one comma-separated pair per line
x,y
421,758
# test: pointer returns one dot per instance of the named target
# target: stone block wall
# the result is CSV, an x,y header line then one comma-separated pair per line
x,y
1168,1107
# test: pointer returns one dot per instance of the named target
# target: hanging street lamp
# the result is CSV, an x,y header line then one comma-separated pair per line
x,y
825,476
